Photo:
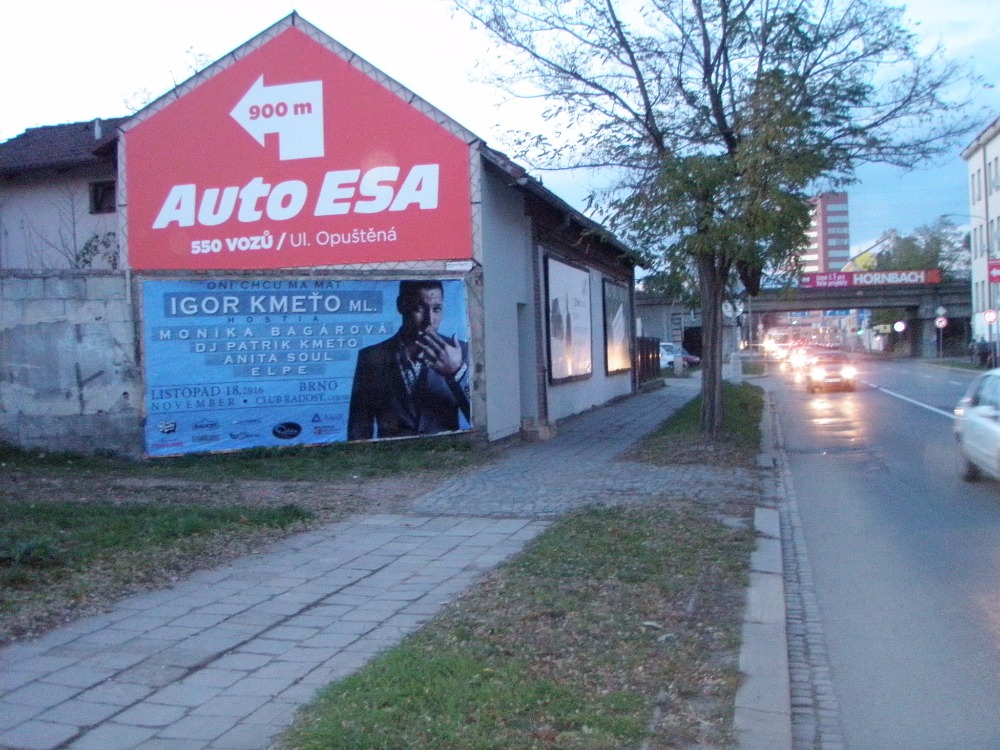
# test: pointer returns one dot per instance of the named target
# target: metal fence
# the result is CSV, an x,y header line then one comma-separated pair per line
x,y
648,357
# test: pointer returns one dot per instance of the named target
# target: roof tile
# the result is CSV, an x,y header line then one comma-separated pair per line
x,y
57,146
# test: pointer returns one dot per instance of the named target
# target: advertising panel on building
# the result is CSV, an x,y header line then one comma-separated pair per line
x,y
617,339
569,320
244,363
292,157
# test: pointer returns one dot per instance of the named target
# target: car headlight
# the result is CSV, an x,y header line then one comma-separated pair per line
x,y
817,373
849,371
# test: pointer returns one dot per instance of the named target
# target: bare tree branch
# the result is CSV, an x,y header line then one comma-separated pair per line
x,y
720,116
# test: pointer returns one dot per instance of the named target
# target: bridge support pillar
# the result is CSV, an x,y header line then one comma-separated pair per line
x,y
928,338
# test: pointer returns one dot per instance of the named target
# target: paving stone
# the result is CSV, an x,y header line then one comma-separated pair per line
x,y
247,737
164,743
41,694
12,714
151,715
204,728
187,693
112,736
81,713
225,705
116,693
83,675
38,735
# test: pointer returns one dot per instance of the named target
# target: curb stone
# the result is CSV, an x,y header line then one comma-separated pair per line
x,y
763,716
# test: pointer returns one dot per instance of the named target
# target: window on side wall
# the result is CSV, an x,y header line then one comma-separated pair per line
x,y
102,197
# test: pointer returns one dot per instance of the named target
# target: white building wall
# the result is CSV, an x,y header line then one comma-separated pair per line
x,y
566,399
983,168
508,284
46,221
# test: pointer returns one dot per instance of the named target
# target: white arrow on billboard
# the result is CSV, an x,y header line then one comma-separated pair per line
x,y
292,110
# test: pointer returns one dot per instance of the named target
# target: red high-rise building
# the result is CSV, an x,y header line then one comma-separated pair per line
x,y
829,234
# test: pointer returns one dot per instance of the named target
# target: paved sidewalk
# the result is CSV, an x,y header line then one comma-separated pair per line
x,y
223,660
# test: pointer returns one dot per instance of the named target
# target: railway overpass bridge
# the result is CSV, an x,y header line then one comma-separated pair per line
x,y
920,301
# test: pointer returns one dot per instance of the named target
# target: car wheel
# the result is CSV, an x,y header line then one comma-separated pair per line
x,y
970,472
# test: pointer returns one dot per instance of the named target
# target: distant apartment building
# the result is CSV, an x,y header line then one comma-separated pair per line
x,y
829,250
982,159
829,234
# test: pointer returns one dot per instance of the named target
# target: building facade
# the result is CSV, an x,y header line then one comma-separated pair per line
x,y
982,159
260,257
829,234
829,249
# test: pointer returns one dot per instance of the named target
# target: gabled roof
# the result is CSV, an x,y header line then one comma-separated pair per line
x,y
294,20
522,180
58,146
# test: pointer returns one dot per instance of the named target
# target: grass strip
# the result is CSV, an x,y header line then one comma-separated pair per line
x,y
39,542
680,440
296,463
569,646
742,408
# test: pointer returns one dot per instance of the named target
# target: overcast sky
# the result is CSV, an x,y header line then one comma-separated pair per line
x,y
67,61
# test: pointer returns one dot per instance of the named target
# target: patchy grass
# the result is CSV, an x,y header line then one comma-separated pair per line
x,y
42,541
609,615
680,441
77,533
59,560
617,628
443,454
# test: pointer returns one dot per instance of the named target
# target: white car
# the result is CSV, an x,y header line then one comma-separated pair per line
x,y
977,427
668,352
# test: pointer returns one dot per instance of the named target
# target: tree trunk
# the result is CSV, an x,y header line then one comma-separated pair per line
x,y
713,272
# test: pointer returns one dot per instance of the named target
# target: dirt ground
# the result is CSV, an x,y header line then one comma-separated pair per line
x,y
27,614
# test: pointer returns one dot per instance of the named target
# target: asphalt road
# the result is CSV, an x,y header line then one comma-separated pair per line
x,y
905,557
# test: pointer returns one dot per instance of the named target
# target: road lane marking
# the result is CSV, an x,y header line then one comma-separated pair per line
x,y
901,397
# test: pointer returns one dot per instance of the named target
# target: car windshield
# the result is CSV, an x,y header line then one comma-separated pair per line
x,y
831,358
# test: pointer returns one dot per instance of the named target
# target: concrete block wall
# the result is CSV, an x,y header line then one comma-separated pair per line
x,y
69,376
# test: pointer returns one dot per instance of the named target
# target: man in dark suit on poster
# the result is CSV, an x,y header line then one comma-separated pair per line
x,y
417,381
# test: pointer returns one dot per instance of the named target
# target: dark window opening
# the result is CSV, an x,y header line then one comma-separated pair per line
x,y
102,197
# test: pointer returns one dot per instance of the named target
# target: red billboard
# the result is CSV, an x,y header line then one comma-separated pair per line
x,y
840,279
292,157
